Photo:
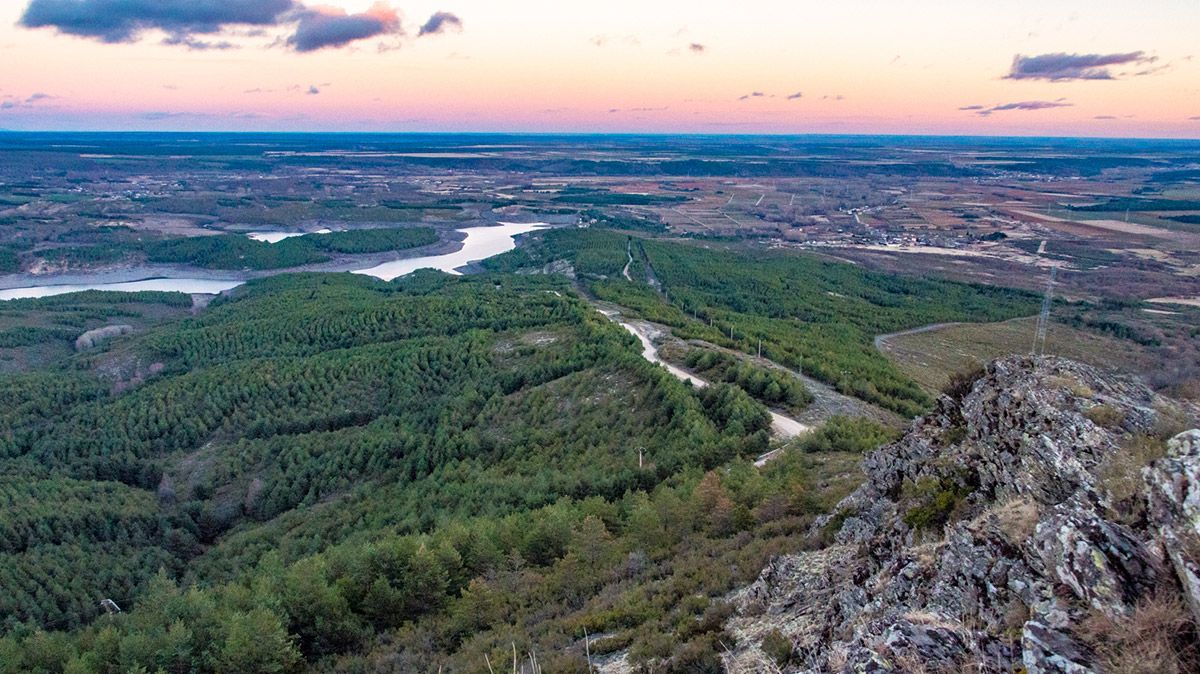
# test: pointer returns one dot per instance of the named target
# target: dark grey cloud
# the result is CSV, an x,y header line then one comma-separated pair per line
x,y
1105,117
697,48
317,27
1194,119
125,20
984,111
796,96
755,94
1031,105
195,44
439,23
325,27
312,90
1063,67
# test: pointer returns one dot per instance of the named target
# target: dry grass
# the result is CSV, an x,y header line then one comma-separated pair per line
x,y
932,357
1072,384
1157,638
1105,416
1017,519
1015,617
838,658
1121,475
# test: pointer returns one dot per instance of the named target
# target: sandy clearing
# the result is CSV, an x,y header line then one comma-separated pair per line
x,y
1187,301
1110,225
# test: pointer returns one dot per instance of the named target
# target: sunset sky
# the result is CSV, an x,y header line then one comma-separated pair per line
x,y
1041,67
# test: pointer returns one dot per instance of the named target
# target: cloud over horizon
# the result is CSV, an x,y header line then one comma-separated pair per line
x,y
324,27
439,23
313,27
1063,67
10,102
984,111
117,21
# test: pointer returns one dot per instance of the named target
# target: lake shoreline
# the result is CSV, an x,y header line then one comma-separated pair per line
x,y
460,251
451,242
454,244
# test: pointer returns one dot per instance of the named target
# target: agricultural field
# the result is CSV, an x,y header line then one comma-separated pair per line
x,y
932,356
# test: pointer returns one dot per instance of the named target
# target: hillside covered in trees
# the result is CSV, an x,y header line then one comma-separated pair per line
x,y
319,467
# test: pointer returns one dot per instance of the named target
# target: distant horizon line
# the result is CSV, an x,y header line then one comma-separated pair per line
x,y
601,134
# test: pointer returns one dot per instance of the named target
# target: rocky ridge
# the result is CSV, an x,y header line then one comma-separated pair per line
x,y
1040,521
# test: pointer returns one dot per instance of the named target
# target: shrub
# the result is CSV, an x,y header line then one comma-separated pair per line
x,y
963,381
831,528
848,434
778,647
935,501
953,435
697,657
1105,416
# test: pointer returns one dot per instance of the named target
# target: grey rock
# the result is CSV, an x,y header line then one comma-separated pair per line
x,y
1032,546
1101,561
1173,504
1048,651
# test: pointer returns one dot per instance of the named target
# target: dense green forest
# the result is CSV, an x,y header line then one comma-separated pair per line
x,y
36,332
812,315
236,251
769,386
318,470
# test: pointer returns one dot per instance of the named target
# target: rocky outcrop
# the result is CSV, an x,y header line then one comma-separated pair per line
x,y
1004,532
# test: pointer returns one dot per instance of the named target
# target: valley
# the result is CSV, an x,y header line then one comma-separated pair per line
x,y
418,412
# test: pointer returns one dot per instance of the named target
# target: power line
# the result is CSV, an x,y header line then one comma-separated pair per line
x,y
1043,323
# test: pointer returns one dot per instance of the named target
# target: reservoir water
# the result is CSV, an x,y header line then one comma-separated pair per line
x,y
480,243
276,237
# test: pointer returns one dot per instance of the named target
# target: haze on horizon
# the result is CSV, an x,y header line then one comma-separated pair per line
x,y
1050,67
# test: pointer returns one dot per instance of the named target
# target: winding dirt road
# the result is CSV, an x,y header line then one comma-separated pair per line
x,y
784,427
